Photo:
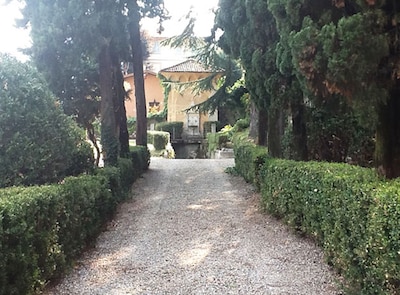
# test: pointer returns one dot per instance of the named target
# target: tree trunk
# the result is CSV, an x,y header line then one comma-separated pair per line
x,y
137,54
387,148
300,150
120,110
92,137
262,127
123,130
275,132
253,132
109,128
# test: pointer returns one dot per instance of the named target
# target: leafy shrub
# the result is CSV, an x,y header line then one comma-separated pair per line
x,y
159,139
131,123
140,157
348,210
353,215
127,174
18,263
381,251
38,143
44,228
219,140
212,143
248,160
227,131
241,125
207,127
175,129
82,160
88,202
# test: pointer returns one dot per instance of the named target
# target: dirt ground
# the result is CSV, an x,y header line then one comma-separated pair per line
x,y
190,228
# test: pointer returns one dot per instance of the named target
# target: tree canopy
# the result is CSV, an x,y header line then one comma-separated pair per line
x,y
38,142
318,69
79,46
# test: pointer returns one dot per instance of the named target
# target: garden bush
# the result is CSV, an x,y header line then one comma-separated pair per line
x,y
44,228
175,129
248,160
212,143
38,143
207,127
127,174
352,213
159,139
382,245
241,125
140,157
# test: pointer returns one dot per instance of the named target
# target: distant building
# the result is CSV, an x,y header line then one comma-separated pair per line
x,y
176,66
179,101
153,91
159,57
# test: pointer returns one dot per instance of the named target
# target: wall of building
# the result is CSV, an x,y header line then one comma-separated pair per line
x,y
179,100
153,91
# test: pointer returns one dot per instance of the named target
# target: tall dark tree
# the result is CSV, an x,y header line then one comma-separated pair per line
x,y
249,34
350,49
38,143
137,56
72,40
109,126
152,8
68,34
291,91
72,74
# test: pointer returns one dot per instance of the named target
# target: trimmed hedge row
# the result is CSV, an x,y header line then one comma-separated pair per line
x,y
44,228
159,139
175,129
140,157
351,213
248,160
207,127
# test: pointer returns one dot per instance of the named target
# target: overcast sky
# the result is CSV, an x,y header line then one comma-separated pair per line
x,y
12,38
178,9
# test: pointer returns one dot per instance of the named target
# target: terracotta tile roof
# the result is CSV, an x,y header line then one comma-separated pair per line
x,y
189,66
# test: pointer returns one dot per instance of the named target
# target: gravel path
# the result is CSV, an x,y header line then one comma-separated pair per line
x,y
193,229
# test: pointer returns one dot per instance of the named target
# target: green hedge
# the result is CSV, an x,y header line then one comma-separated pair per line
x,y
241,125
207,127
215,141
159,139
174,128
39,144
44,228
140,157
248,159
350,212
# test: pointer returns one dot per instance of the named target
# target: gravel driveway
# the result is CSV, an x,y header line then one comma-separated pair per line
x,y
193,229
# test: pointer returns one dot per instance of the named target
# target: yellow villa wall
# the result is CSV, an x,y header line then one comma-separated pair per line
x,y
179,101
153,92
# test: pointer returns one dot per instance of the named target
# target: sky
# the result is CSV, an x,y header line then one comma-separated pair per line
x,y
12,38
178,9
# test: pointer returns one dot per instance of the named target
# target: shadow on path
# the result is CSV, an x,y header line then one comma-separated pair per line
x,y
190,228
